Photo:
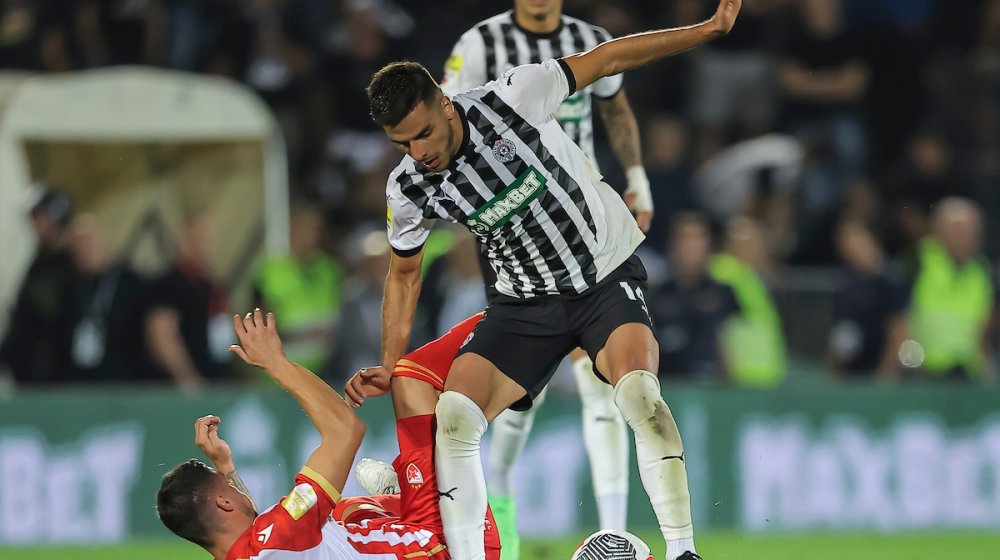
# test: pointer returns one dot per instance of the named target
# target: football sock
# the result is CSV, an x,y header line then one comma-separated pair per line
x,y
606,439
461,483
659,453
676,547
415,465
510,431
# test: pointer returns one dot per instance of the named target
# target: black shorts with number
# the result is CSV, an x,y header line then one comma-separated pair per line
x,y
527,338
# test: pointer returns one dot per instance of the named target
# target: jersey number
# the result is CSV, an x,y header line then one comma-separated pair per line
x,y
636,295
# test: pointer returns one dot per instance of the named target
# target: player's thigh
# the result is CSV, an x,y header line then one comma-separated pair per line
x,y
616,329
630,347
413,397
523,341
479,379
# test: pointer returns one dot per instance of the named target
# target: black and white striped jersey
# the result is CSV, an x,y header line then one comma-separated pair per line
x,y
495,45
547,222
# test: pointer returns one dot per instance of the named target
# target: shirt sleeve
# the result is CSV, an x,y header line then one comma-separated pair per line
x,y
466,67
296,522
405,223
535,91
608,86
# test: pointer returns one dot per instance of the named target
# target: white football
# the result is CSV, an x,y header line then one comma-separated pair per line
x,y
612,545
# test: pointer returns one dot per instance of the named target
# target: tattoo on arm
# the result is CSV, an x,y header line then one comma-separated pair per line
x,y
622,128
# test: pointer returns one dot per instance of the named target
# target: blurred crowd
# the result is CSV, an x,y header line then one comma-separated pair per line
x,y
862,136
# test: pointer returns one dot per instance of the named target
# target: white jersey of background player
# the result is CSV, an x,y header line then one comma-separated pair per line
x,y
531,33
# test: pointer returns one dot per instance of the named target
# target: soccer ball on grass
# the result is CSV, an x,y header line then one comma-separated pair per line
x,y
612,545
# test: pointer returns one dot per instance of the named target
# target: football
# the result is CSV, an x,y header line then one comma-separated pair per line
x,y
612,545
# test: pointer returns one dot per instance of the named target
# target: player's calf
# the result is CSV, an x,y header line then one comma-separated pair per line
x,y
660,455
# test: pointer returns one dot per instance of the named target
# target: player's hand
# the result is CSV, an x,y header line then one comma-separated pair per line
x,y
638,196
206,437
725,15
369,382
643,219
259,342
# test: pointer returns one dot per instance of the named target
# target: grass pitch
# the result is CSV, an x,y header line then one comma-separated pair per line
x,y
713,546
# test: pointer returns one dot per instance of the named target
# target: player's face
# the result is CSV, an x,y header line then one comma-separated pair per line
x,y
427,134
537,8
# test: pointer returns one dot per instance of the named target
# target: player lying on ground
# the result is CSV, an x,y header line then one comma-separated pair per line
x,y
204,506
562,244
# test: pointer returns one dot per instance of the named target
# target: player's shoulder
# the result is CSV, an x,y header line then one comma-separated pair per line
x,y
492,21
599,32
490,24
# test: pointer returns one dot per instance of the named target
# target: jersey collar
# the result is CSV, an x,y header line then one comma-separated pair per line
x,y
466,148
531,34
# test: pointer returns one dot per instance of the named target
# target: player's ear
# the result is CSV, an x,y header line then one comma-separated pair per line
x,y
224,503
448,106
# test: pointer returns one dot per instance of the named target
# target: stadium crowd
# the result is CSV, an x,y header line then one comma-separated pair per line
x,y
858,135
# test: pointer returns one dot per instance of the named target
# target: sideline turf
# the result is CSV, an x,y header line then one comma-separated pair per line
x,y
714,546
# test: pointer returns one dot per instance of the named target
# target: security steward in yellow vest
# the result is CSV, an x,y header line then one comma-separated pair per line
x,y
304,289
954,296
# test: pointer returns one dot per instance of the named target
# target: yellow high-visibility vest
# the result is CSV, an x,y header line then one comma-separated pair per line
x,y
949,309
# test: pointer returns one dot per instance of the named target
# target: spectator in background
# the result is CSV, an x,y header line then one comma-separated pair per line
x,y
869,309
670,175
105,305
753,342
36,346
187,325
823,78
690,308
122,32
359,339
33,35
732,95
927,175
953,305
304,289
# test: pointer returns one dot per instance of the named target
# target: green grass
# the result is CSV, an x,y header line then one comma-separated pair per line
x,y
713,546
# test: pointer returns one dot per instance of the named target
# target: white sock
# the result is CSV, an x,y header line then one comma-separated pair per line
x,y
612,511
676,547
605,437
461,425
510,431
659,453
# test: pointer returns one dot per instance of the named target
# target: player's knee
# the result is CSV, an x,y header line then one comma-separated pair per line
x,y
637,396
459,419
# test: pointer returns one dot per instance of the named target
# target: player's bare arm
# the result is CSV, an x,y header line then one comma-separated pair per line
x,y
340,430
206,437
627,53
623,133
399,305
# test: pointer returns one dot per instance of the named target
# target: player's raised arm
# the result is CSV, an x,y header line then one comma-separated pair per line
x,y
340,429
625,53
399,304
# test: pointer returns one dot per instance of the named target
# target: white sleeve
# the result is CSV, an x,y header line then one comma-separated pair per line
x,y
405,223
608,86
535,91
466,67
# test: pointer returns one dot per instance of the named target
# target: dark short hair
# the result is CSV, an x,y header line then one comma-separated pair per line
x,y
396,89
182,500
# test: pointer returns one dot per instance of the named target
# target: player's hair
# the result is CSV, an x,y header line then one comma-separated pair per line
x,y
396,89
182,500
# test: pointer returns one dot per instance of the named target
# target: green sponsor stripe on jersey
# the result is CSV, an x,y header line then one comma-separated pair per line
x,y
505,205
